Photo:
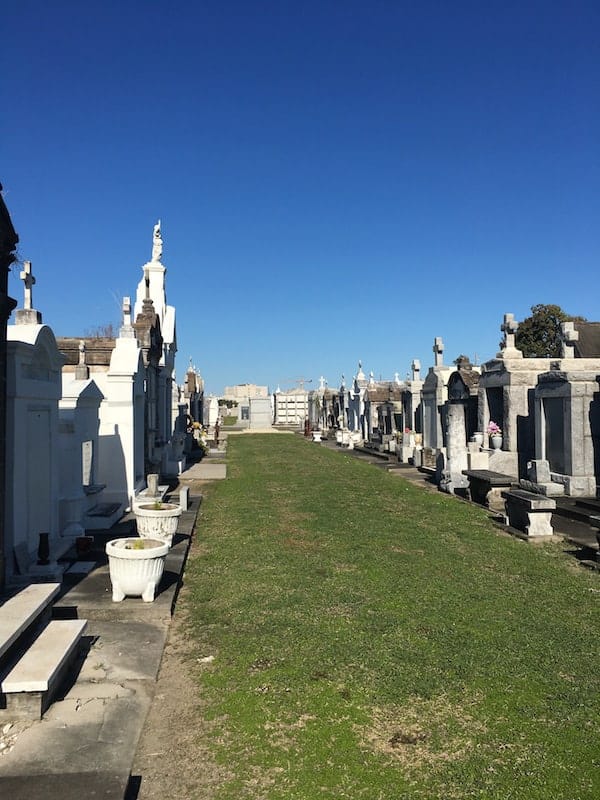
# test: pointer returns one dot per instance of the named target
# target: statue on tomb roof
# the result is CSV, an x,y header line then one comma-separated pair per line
x,y
157,243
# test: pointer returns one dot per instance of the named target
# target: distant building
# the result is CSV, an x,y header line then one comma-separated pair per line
x,y
244,391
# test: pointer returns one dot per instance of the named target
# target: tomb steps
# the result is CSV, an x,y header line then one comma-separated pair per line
x,y
578,509
573,519
36,652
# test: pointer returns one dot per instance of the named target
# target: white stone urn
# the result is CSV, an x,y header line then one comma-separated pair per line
x,y
477,437
136,567
496,441
157,520
316,436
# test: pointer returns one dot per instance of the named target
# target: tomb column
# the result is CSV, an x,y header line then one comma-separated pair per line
x,y
8,244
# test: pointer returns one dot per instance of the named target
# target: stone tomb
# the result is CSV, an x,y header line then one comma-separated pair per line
x,y
506,397
32,450
567,423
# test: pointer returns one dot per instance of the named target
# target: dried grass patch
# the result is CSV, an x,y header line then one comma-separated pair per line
x,y
423,733
282,734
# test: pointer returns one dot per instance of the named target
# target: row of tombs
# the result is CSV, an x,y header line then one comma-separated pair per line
x,y
535,419
87,420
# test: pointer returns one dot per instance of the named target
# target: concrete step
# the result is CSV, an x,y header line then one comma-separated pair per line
x,y
22,612
30,685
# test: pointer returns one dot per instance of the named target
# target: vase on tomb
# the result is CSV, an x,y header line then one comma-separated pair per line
x,y
477,437
496,441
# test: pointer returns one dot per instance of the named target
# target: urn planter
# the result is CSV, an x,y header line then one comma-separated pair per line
x,y
477,437
496,441
157,520
136,567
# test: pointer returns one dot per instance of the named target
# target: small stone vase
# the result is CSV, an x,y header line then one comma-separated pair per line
x,y
496,442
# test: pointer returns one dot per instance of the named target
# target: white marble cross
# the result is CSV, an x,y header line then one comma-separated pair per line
x,y
27,277
438,350
321,382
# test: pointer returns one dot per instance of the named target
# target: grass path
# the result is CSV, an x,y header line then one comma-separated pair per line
x,y
372,640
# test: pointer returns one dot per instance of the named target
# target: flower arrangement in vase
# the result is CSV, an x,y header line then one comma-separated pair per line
x,y
495,433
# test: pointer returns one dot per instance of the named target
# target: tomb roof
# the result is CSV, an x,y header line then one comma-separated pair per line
x,y
98,350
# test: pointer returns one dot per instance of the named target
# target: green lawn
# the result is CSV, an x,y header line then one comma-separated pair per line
x,y
373,640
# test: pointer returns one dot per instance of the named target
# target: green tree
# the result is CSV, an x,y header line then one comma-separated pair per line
x,y
539,334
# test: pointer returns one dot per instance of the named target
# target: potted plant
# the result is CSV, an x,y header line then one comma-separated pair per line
x,y
157,520
495,433
136,567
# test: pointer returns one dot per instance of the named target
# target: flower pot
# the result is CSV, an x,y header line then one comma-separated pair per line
x,y
136,567
477,437
316,436
496,441
157,521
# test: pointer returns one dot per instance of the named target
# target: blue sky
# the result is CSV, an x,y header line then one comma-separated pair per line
x,y
336,180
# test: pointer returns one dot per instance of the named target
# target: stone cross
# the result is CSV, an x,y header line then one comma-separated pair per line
x,y
27,277
396,377
438,351
126,312
509,329
416,369
321,382
568,336
126,331
508,347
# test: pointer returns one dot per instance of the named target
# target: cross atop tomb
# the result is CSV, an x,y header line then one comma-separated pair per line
x,y
321,382
509,328
416,369
126,331
27,315
396,377
26,276
438,351
569,336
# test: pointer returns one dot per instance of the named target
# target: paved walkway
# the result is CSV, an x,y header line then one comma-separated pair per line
x,y
85,744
